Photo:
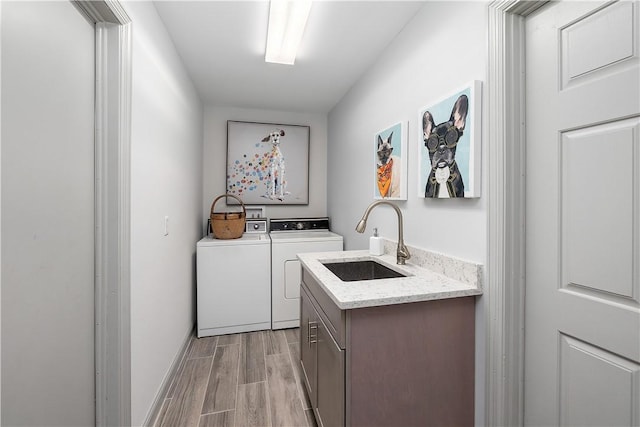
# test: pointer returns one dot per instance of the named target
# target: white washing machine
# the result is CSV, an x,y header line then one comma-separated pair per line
x,y
290,237
234,284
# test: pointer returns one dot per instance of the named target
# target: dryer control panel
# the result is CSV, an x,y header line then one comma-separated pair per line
x,y
299,224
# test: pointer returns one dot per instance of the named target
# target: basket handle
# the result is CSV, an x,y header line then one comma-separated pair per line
x,y
244,211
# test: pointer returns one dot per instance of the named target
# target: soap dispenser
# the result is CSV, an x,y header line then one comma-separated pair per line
x,y
375,244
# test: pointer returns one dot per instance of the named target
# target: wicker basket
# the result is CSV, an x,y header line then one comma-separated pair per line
x,y
228,225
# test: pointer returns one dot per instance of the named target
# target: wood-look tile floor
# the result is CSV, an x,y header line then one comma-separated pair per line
x,y
248,379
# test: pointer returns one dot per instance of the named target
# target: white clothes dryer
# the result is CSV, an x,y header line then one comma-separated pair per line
x,y
290,237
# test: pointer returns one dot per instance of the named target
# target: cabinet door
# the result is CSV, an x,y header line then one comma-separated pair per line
x,y
331,381
308,343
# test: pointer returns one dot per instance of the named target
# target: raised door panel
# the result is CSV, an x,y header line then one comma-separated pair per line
x,y
585,371
599,186
597,42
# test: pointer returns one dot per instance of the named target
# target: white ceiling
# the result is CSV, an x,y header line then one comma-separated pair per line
x,y
222,46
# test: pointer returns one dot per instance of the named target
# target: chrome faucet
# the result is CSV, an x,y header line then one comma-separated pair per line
x,y
402,253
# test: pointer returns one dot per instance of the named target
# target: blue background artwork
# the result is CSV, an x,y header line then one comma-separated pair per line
x,y
441,112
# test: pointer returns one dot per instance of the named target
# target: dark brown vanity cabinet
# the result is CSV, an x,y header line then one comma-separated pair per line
x,y
402,364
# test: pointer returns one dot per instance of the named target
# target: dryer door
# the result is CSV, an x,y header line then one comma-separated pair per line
x,y
286,277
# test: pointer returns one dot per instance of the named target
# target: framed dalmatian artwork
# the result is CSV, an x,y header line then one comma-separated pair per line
x,y
268,163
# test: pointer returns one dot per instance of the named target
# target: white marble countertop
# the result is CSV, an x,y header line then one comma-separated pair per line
x,y
421,283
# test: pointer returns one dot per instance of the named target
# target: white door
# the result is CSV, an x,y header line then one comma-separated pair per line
x,y
48,63
582,320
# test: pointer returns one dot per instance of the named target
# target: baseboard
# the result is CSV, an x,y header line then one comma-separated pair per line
x,y
166,382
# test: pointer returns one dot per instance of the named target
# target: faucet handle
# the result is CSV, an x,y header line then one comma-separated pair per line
x,y
402,254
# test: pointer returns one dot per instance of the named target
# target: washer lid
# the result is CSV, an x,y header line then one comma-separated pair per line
x,y
246,239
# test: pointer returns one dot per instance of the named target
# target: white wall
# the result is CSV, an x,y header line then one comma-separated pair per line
x,y
47,214
215,157
443,48
166,179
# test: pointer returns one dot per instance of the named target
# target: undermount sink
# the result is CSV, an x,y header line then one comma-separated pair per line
x,y
352,271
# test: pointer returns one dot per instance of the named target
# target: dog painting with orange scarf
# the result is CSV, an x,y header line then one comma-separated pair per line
x,y
388,169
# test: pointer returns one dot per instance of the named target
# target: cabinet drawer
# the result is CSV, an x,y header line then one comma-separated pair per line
x,y
332,316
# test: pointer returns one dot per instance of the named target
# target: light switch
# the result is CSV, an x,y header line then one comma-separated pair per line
x,y
166,225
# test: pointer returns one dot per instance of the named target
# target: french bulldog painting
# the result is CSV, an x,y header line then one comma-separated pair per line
x,y
445,180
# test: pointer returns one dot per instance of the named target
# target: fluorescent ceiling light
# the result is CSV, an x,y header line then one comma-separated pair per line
x,y
287,19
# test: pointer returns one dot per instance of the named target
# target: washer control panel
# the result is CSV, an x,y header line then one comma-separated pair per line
x,y
256,225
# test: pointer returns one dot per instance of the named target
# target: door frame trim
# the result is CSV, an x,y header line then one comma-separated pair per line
x,y
112,222
504,321
0,215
